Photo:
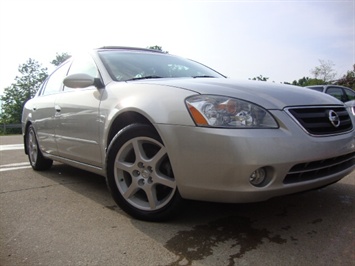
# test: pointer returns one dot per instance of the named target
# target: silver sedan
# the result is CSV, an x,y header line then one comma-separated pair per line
x,y
162,129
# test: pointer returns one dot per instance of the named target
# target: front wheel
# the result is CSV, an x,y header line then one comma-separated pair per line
x,y
140,176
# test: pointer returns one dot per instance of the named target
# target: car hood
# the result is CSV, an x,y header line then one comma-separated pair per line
x,y
268,95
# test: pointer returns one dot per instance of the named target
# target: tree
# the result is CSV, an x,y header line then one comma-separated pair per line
x,y
260,78
60,58
24,88
348,80
324,71
157,47
306,81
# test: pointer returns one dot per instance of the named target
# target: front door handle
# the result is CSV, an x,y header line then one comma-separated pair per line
x,y
57,110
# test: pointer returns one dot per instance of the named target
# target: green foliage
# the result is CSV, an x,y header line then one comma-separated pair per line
x,y
306,81
60,58
260,78
6,130
348,80
24,88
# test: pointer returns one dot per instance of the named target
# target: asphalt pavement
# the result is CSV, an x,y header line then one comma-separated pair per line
x,y
66,216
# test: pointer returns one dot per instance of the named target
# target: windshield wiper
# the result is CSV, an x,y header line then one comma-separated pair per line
x,y
204,76
145,77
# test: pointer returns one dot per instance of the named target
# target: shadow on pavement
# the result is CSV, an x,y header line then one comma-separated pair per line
x,y
317,222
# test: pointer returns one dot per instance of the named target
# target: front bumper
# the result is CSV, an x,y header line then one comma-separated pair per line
x,y
215,164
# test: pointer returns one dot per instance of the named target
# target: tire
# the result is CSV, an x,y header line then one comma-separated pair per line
x,y
140,176
35,156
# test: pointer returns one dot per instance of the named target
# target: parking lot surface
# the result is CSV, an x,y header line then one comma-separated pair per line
x,y
66,216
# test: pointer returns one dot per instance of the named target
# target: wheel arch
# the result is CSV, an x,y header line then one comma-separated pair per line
x,y
28,124
123,120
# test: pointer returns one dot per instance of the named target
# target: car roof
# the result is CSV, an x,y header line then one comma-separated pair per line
x,y
127,48
327,86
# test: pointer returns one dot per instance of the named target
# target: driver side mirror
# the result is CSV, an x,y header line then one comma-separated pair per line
x,y
82,80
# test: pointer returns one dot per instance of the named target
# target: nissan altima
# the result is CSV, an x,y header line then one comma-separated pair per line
x,y
163,129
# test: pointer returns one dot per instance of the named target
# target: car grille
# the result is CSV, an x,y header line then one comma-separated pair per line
x,y
318,169
316,120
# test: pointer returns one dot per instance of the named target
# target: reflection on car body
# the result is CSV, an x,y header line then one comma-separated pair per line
x,y
162,129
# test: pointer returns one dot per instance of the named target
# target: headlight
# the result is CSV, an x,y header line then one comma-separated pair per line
x,y
221,111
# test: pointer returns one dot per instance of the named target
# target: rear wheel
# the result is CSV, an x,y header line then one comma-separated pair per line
x,y
35,156
140,176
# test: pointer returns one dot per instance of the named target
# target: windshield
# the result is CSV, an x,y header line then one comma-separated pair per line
x,y
133,65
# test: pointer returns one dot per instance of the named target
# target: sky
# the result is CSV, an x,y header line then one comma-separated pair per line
x,y
281,40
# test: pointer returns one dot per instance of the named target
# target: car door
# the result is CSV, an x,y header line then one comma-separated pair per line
x,y
350,94
43,111
337,92
77,118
